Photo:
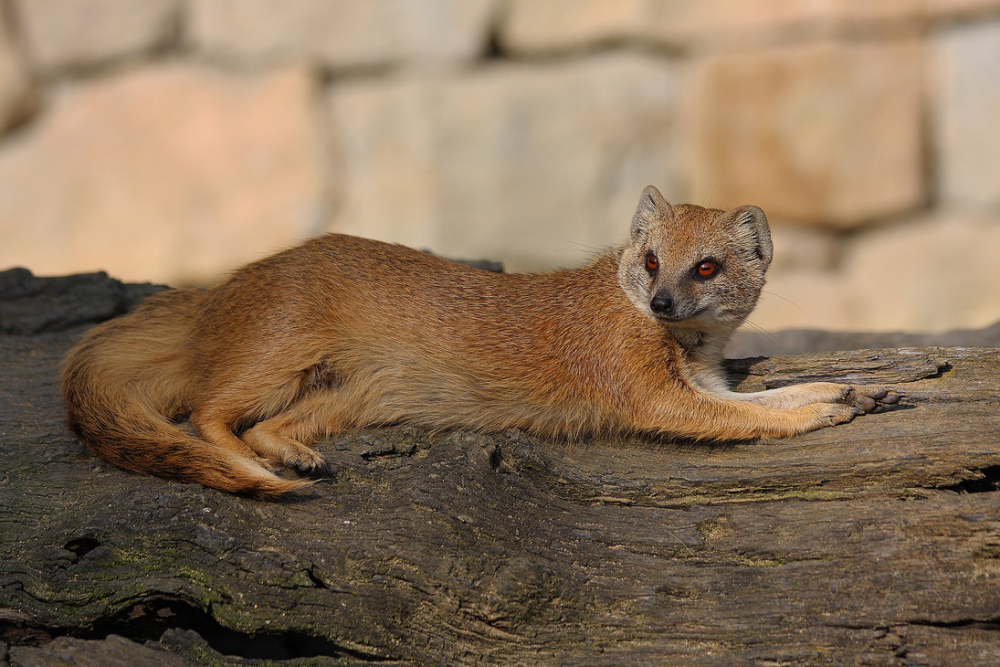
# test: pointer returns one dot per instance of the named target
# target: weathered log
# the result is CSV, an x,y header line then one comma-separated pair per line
x,y
875,542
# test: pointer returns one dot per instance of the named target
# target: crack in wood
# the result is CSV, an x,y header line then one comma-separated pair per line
x,y
984,480
80,547
148,619
991,625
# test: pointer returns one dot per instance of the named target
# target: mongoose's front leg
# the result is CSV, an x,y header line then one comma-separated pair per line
x,y
867,398
689,412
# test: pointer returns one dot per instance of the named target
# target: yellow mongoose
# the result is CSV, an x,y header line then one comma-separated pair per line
x,y
343,332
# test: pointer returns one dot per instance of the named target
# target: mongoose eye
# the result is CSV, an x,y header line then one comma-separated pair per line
x,y
652,263
706,269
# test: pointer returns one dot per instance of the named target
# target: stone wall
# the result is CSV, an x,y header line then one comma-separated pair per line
x,y
171,140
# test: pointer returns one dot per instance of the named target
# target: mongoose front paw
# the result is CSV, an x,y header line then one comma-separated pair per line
x,y
871,399
831,414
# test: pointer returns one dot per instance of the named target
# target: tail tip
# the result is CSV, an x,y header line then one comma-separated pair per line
x,y
277,487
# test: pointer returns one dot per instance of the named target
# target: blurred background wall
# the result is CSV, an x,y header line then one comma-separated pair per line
x,y
172,140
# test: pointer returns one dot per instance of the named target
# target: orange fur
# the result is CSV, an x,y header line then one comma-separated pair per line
x,y
343,332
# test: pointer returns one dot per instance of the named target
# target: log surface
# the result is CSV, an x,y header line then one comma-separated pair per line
x,y
875,542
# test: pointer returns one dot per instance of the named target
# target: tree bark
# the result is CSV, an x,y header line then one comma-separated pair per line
x,y
875,542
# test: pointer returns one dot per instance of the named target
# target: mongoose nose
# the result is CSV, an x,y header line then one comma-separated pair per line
x,y
662,304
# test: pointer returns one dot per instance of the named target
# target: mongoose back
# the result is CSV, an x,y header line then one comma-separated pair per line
x,y
344,332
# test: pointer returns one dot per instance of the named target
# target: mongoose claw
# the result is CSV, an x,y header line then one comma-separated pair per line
x,y
891,397
889,401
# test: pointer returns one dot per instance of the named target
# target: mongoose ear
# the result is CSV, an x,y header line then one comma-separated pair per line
x,y
751,220
652,208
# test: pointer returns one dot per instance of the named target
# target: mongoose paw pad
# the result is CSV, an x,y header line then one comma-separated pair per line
x,y
871,399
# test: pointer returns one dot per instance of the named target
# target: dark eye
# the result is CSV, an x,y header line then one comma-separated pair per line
x,y
706,269
652,263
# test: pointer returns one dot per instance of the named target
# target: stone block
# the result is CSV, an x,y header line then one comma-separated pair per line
x,y
967,101
805,298
931,274
342,33
797,247
16,85
539,26
534,165
532,26
730,23
74,33
953,8
167,173
826,134
935,273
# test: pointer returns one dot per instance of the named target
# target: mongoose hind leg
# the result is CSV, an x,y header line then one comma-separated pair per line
x,y
216,430
268,440
281,438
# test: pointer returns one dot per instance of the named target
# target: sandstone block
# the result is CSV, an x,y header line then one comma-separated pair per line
x,y
931,274
169,173
951,8
530,26
67,33
726,23
16,88
538,26
342,33
535,165
805,298
797,247
733,22
823,134
968,113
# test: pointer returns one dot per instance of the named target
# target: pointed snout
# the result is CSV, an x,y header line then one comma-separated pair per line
x,y
662,304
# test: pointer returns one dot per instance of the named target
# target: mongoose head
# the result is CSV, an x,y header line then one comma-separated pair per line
x,y
696,268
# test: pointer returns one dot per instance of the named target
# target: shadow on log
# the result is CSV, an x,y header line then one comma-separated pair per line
x,y
875,542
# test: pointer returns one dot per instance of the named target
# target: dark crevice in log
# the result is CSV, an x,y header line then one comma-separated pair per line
x,y
80,547
988,481
313,577
991,625
944,368
148,619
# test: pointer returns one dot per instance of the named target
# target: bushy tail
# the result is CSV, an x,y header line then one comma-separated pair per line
x,y
125,381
